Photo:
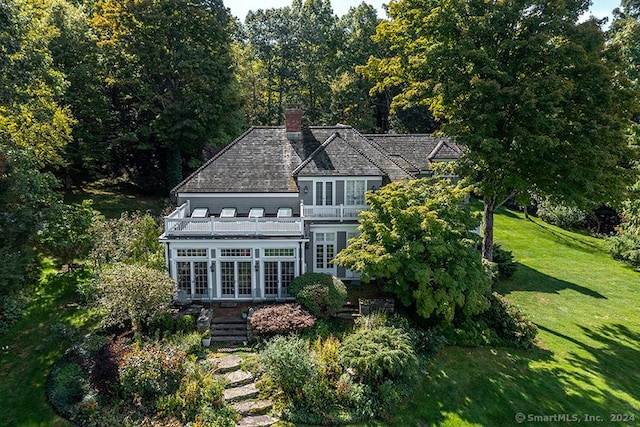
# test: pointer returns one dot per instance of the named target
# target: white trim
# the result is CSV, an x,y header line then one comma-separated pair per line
x,y
251,195
332,228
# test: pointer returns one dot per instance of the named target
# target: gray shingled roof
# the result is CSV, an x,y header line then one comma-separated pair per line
x,y
417,150
264,160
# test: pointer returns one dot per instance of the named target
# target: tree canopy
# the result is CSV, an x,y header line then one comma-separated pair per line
x,y
534,96
418,238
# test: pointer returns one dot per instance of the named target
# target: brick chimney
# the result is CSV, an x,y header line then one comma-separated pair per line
x,y
293,123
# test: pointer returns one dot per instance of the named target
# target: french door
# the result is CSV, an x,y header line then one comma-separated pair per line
x,y
235,279
277,277
324,252
193,278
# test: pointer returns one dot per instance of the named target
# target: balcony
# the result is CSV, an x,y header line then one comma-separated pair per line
x,y
180,223
337,212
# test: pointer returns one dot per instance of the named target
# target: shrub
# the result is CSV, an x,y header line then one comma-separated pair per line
x,y
67,386
562,215
427,342
322,294
199,388
151,371
186,324
625,247
189,343
504,261
280,319
288,361
509,323
378,354
327,352
104,372
161,324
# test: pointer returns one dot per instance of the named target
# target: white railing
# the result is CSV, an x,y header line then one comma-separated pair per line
x,y
177,226
338,212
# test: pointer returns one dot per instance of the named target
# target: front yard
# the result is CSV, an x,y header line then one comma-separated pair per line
x,y
587,308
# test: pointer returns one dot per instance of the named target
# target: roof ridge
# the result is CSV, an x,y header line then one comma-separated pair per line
x,y
208,162
384,152
310,156
364,154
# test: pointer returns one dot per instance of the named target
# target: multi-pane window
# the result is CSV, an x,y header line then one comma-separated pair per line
x,y
200,274
271,278
287,274
227,278
235,252
354,192
279,252
324,193
325,250
191,252
184,276
244,278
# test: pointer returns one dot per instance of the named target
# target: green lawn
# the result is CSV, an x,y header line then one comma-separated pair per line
x,y
586,305
587,362
34,346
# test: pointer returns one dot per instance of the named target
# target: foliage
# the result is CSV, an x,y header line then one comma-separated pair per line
x,y
625,247
426,342
418,237
132,238
322,294
510,323
169,70
151,371
504,261
65,235
105,377
199,390
289,363
553,125
132,293
67,386
162,324
561,214
280,319
379,354
186,324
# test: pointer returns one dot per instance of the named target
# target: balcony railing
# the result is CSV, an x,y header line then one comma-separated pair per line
x,y
338,212
178,223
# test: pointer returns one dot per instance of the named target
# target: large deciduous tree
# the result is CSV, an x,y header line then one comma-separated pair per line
x,y
532,95
418,237
171,82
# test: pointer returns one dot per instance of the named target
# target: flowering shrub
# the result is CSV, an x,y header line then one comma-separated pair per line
x,y
280,319
151,370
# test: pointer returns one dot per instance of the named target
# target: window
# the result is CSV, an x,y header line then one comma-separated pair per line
x,y
285,212
324,193
324,251
256,213
235,252
228,213
354,194
278,275
191,252
279,252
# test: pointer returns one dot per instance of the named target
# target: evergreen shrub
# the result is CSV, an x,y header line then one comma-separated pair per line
x,y
322,294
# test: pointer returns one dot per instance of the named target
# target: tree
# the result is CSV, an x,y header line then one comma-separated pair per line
x,y
418,238
171,84
66,234
533,96
132,293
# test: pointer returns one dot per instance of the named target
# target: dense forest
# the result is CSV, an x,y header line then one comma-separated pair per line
x,y
147,90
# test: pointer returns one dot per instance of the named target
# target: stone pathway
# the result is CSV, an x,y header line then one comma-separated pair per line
x,y
241,393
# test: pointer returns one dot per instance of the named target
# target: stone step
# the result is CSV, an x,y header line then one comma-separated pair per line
x,y
256,421
252,407
228,331
228,363
229,320
238,378
244,392
229,338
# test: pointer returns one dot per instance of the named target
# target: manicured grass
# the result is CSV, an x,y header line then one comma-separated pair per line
x,y
111,199
33,348
587,308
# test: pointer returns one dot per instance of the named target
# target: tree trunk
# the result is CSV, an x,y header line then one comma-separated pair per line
x,y
487,229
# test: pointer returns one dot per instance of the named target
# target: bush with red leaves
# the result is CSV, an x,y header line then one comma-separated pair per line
x,y
281,319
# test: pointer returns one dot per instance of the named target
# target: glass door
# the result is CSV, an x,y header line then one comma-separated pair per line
x,y
235,279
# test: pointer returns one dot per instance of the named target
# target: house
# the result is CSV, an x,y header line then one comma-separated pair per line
x,y
281,201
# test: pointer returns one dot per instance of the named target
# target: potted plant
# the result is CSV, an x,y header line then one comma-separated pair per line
x,y
206,338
